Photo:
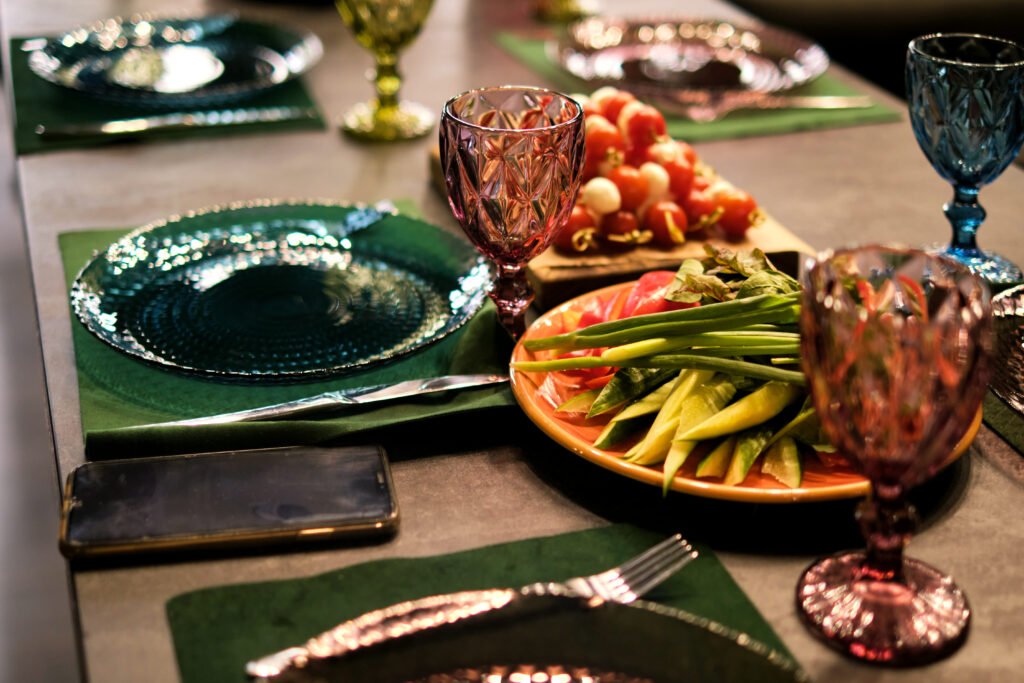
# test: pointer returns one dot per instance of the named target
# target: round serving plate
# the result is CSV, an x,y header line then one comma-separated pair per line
x,y
689,57
174,62
540,397
279,289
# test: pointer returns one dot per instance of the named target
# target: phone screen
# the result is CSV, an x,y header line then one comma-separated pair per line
x,y
239,496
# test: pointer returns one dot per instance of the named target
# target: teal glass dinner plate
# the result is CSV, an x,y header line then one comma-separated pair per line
x,y
174,63
561,639
279,289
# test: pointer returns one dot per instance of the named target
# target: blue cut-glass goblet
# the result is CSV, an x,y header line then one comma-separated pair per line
x,y
965,93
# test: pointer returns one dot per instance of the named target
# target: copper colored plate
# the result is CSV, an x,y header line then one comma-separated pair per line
x,y
820,482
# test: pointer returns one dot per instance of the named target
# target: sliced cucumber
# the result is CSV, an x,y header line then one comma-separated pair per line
x,y
717,461
749,445
783,462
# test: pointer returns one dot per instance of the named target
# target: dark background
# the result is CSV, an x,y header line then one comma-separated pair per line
x,y
870,36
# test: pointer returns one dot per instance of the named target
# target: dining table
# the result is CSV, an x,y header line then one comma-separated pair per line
x,y
496,478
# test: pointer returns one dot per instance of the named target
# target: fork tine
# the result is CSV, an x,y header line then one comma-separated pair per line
x,y
647,570
669,544
656,575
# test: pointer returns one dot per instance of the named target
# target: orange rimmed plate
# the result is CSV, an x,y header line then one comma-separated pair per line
x,y
540,393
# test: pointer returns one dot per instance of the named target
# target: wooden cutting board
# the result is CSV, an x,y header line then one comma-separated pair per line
x,y
557,276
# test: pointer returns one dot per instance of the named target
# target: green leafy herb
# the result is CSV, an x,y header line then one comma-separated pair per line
x,y
767,282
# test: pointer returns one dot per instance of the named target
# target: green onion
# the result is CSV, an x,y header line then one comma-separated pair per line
x,y
698,318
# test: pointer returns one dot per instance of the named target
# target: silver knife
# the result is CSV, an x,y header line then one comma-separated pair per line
x,y
178,121
336,399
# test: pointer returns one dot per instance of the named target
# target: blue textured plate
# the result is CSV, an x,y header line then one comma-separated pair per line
x,y
190,62
279,290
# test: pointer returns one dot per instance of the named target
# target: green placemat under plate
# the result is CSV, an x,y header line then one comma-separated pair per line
x,y
38,102
532,52
1004,421
117,391
217,630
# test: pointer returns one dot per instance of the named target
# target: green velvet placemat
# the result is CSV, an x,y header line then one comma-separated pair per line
x,y
532,52
217,630
117,391
1004,421
39,102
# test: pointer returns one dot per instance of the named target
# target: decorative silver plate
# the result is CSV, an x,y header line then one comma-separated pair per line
x,y
1008,371
279,289
688,55
188,62
549,639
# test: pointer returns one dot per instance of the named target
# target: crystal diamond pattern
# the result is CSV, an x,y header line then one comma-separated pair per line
x,y
967,106
512,160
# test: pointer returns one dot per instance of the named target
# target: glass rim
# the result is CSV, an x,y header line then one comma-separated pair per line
x,y
813,261
915,46
447,112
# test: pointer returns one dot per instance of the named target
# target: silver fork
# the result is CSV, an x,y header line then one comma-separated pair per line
x,y
622,584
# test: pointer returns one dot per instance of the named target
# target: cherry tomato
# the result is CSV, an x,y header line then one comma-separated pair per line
x,y
601,140
578,233
622,229
633,186
688,152
667,223
613,105
590,108
702,182
739,210
620,223
680,176
644,127
648,295
701,208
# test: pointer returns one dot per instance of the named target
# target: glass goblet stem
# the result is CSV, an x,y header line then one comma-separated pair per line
x,y
512,295
386,79
887,521
965,214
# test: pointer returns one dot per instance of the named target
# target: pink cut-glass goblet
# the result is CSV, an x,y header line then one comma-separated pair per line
x,y
512,158
895,346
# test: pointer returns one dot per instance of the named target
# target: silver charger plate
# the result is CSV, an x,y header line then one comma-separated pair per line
x,y
174,62
696,56
1008,372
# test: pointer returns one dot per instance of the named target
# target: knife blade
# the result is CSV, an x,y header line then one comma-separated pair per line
x,y
339,399
177,121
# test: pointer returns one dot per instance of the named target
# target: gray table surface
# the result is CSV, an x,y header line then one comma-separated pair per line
x,y
831,187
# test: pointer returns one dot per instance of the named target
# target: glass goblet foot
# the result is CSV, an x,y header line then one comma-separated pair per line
x,y
989,266
405,121
919,618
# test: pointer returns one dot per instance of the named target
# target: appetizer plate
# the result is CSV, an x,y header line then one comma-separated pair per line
x,y
187,62
540,393
695,56
279,289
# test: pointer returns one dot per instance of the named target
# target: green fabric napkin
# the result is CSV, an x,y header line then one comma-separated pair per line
x,y
1004,421
217,630
39,102
117,391
532,52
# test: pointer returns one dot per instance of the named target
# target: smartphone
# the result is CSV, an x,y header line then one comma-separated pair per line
x,y
231,498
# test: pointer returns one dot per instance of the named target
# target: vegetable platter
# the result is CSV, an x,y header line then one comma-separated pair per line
x,y
689,381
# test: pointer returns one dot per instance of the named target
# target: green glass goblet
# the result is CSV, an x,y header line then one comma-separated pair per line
x,y
385,28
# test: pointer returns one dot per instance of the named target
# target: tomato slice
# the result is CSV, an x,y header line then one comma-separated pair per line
x,y
648,296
